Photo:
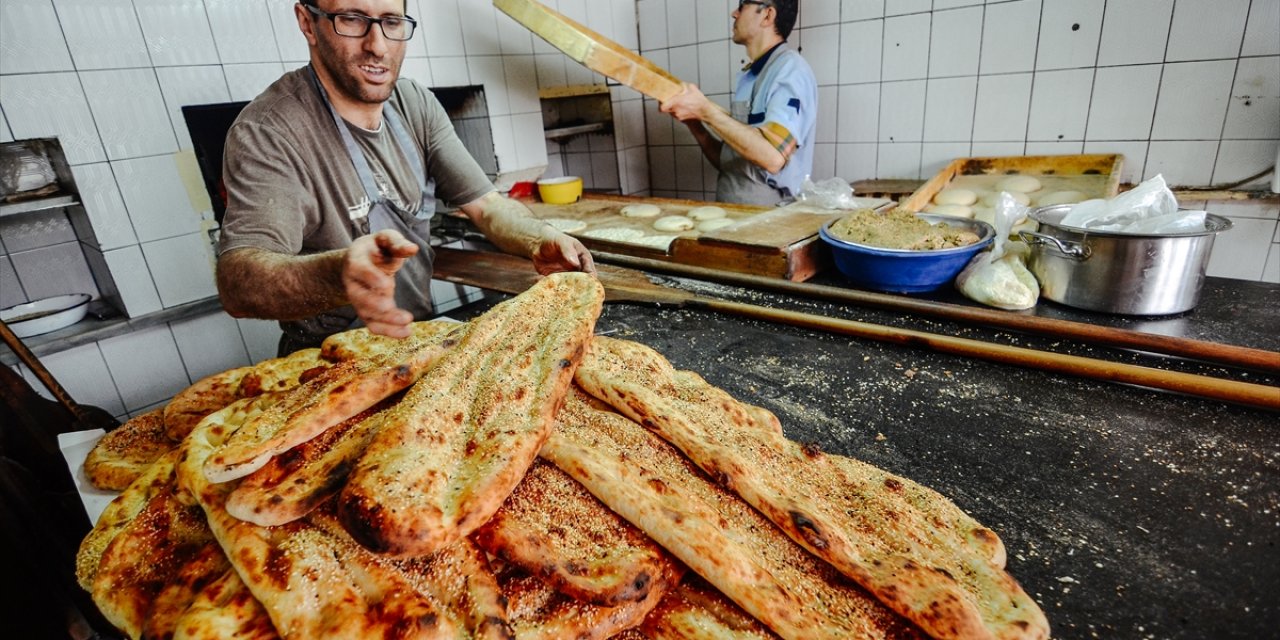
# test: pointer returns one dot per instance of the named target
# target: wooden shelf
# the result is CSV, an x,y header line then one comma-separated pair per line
x,y
568,132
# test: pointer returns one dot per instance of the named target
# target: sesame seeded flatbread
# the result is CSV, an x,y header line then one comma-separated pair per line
x,y
278,374
204,397
361,343
225,609
119,513
696,611
538,612
122,455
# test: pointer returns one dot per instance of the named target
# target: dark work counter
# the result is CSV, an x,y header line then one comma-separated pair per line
x,y
1126,512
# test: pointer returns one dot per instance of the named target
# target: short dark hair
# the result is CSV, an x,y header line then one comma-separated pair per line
x,y
786,16
313,4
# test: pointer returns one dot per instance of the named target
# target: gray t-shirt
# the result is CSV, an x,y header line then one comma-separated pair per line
x,y
291,187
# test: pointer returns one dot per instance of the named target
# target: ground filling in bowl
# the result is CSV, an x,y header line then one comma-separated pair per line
x,y
899,229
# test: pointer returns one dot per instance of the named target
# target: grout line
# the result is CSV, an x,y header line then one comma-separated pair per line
x,y
1155,110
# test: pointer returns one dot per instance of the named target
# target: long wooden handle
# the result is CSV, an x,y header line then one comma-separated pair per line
x,y
24,354
1248,394
1231,355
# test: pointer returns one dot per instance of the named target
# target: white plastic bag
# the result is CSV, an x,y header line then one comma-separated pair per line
x,y
832,193
999,277
1149,208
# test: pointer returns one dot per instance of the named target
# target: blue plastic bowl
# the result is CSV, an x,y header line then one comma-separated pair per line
x,y
904,270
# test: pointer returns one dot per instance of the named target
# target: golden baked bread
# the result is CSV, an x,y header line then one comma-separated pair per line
x,y
696,611
204,397
127,451
120,512
225,609
361,343
278,374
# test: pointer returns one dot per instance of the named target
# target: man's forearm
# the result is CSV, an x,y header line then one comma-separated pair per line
x,y
255,283
711,145
746,140
507,223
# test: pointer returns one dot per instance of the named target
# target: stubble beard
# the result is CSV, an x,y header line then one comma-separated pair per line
x,y
345,74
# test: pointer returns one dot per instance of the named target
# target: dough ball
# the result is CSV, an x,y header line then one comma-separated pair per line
x,y
1022,184
712,225
614,235
656,242
950,196
991,198
673,223
567,225
1060,197
953,210
641,210
706,213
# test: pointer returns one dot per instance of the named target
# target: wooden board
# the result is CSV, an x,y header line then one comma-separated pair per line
x,y
1087,166
779,243
593,50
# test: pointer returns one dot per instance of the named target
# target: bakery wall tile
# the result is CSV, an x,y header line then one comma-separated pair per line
x,y
1134,32
11,292
689,168
130,112
1240,159
261,338
1243,251
177,33
859,119
1207,29
145,381
1069,33
6,135
822,51
860,51
182,268
103,34
104,206
902,7
955,42
1009,33
861,9
1123,102
982,149
659,128
83,372
1001,108
186,86
682,23
1254,109
52,105
32,36
949,104
828,114
531,148
902,111
290,43
898,160
242,31
1182,162
479,28
1060,104
813,13
624,29
27,232
1271,270
1192,104
450,71
418,70
939,5
935,156
246,81
652,16
134,286
156,198
209,344
1134,152
54,270
440,28
824,160
906,47
713,57
1260,31
856,161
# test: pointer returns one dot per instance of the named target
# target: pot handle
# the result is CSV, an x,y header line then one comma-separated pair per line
x,y
1075,250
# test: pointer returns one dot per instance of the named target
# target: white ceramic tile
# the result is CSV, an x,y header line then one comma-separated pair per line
x,y
1182,163
906,47
1135,32
144,381
955,41
32,38
856,161
939,5
1001,108
628,123
11,292
130,112
997,149
579,164
103,34
1261,210
625,28
714,21
104,205
684,64
182,268
1254,111
824,161
440,27
522,84
185,86
261,338
133,281
662,168
1123,103
504,143
209,344
1009,36
242,31
658,126
1060,104
551,69
246,81
860,51
54,270
859,119
1271,271
902,111
1069,31
514,38
290,43
52,105
531,148
688,167
1193,100
948,113
817,12
6,135
682,136
861,9
578,74
84,374
652,16
682,23
1054,147
1262,34
604,170
1239,159
177,33
575,10
935,156
637,171
713,57
24,233
450,71
156,198
418,70
479,28
1207,29
1134,152
488,71
898,161
901,7
828,103
1242,251
822,51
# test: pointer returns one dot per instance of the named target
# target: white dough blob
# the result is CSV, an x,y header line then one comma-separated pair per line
x,y
962,197
567,225
641,210
712,225
706,213
673,223
1022,184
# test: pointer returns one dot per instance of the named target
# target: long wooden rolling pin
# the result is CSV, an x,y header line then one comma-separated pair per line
x,y
501,272
1212,352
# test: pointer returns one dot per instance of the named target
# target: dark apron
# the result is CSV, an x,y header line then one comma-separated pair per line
x,y
413,280
739,180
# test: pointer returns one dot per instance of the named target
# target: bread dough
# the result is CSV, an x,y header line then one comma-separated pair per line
x,y
991,198
1023,184
1060,197
712,225
656,241
673,223
567,225
641,210
962,197
954,210
614,234
707,213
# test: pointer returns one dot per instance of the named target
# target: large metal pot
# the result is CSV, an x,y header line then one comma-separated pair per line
x,y
1119,273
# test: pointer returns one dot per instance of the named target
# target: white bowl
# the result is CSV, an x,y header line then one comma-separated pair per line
x,y
47,314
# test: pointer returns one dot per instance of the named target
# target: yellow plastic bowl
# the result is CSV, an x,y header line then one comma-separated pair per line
x,y
564,190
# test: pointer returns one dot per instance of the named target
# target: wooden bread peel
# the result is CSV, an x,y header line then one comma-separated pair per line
x,y
509,274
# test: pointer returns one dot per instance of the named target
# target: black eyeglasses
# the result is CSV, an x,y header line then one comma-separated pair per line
x,y
762,5
353,25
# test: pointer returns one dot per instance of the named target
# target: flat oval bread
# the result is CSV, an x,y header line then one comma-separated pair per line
x,y
552,527
696,611
361,343
278,374
120,512
462,438
906,544
122,455
538,612
204,397
225,609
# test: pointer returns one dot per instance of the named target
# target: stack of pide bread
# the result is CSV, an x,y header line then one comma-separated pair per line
x,y
516,477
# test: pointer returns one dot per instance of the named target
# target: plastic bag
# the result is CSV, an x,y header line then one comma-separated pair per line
x,y
832,193
1149,208
23,170
999,277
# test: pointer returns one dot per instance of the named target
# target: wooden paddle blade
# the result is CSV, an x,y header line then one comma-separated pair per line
x,y
511,274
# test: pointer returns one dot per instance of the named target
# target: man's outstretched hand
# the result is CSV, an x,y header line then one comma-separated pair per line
x,y
368,278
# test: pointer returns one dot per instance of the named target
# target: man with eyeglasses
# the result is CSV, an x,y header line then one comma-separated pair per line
x,y
764,146
331,177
